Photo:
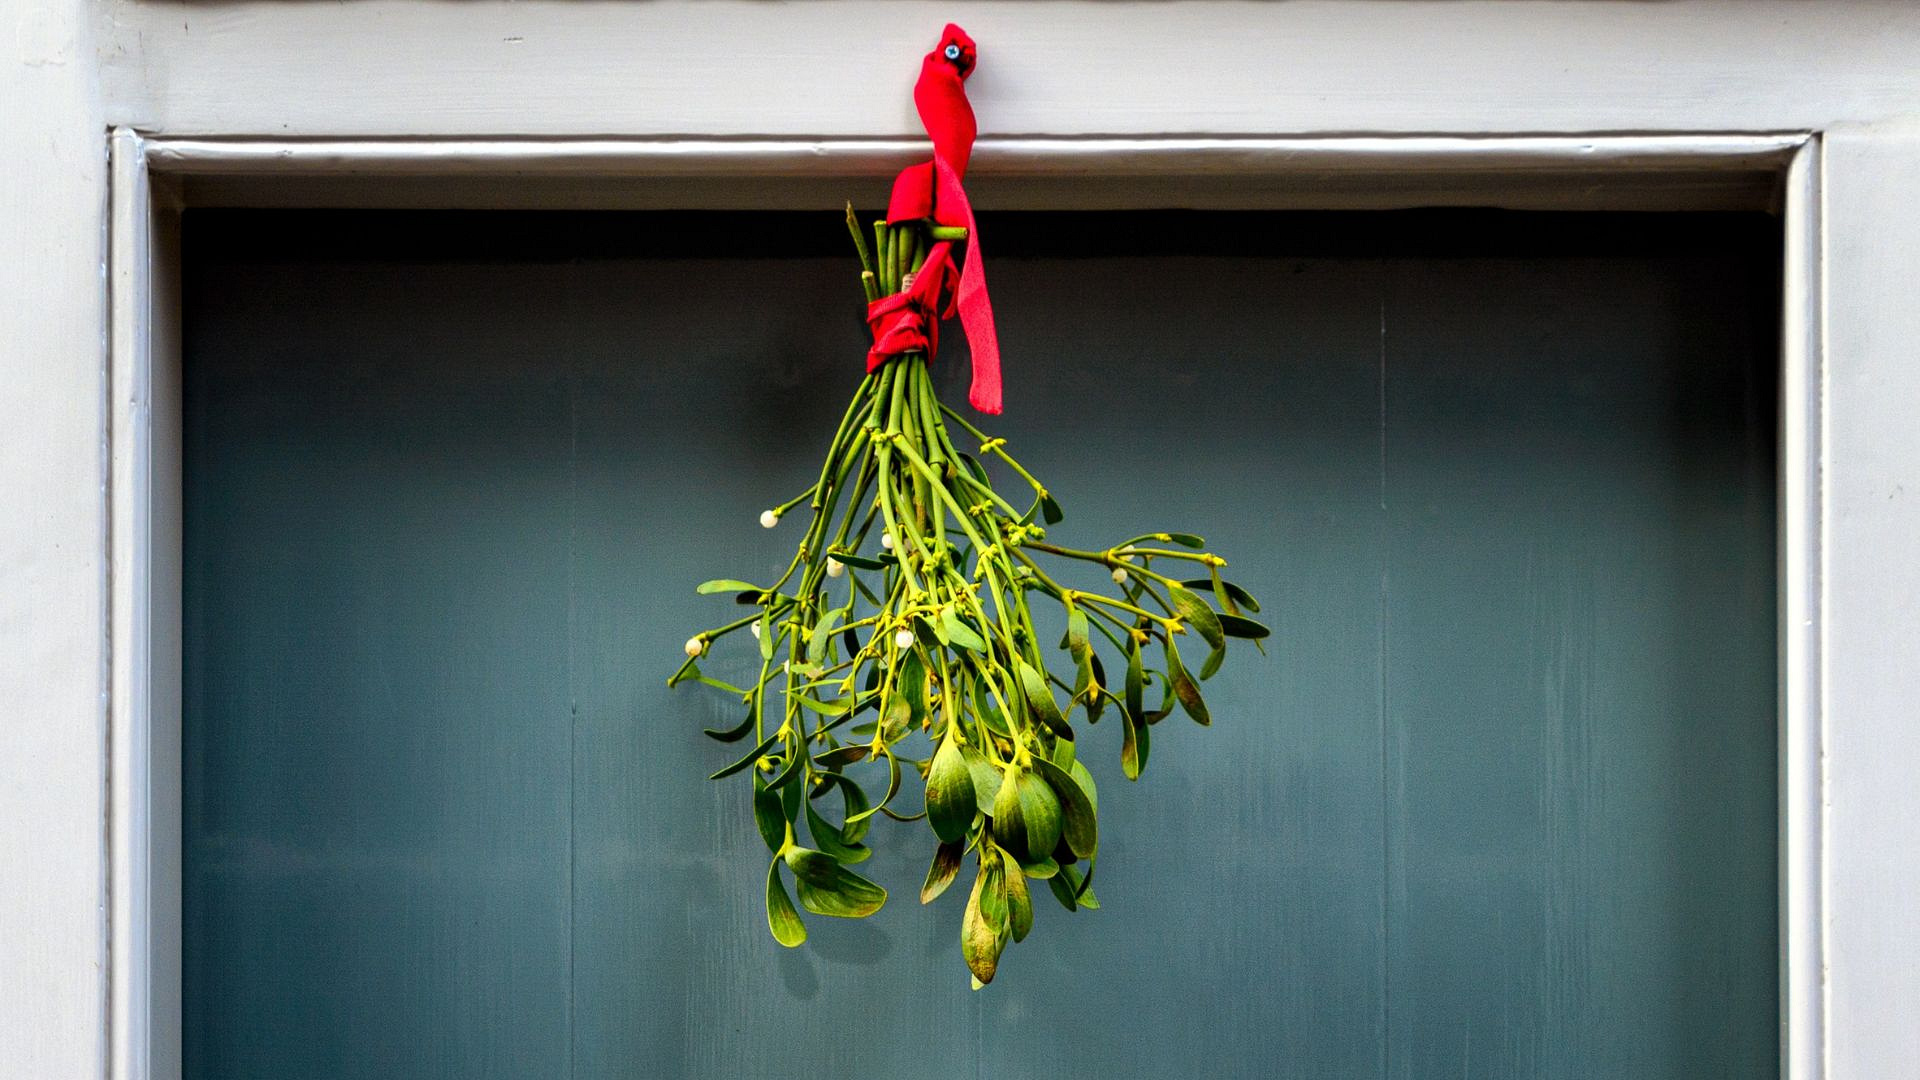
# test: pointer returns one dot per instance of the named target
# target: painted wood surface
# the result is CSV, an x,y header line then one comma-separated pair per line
x,y
1873,601
1664,172
559,67
1501,804
53,537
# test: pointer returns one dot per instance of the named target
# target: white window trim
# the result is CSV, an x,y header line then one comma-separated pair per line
x,y
148,172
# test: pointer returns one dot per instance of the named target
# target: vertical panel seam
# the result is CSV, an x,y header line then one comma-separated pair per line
x,y
573,693
1386,834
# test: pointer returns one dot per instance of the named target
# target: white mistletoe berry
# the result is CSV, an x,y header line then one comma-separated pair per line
x,y
886,540
903,638
755,627
768,519
835,567
1119,575
695,646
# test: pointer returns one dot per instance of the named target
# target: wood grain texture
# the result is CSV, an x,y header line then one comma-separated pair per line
x,y
53,537
546,67
1872,601
1499,805
393,848
1579,760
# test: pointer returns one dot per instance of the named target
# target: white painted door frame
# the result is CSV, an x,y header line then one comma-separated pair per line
x,y
148,173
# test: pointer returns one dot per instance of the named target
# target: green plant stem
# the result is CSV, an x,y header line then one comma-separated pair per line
x,y
997,447
1109,558
964,564
859,241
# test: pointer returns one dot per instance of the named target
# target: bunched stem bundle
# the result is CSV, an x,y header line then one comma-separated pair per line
x,y
929,626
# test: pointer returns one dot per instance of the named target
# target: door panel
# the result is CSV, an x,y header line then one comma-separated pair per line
x,y
1499,802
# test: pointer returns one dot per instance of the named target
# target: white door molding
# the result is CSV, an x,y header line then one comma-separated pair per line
x,y
144,626
1869,609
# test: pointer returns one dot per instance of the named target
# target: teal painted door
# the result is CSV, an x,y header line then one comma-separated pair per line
x,y
1500,803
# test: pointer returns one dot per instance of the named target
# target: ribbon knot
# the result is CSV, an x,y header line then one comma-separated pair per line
x,y
909,320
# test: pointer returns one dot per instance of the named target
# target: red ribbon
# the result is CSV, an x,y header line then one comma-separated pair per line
x,y
910,321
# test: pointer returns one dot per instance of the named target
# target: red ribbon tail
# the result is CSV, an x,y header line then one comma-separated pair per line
x,y
970,300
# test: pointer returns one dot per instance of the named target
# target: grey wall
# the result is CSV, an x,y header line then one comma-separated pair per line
x,y
1499,804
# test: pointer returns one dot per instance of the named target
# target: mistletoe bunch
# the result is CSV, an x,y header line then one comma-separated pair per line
x,y
929,626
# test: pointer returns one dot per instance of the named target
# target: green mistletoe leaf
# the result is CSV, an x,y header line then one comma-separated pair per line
x,y
827,888
1077,817
1198,615
1234,593
785,922
1019,904
961,634
1040,699
1026,816
769,816
1184,688
752,756
986,779
832,840
946,867
1242,627
980,939
951,800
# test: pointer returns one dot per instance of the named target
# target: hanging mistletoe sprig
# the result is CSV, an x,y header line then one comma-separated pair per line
x,y
909,607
